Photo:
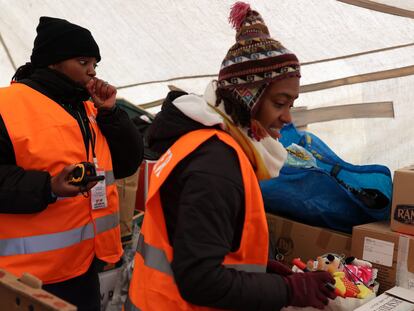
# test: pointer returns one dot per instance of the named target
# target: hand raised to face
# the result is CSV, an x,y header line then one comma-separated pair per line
x,y
103,94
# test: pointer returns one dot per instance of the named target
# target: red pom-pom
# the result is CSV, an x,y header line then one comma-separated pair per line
x,y
238,13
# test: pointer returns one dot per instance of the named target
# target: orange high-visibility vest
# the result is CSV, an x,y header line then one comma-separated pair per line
x,y
152,286
60,242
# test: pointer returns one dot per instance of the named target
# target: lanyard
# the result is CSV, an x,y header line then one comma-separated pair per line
x,y
93,141
89,135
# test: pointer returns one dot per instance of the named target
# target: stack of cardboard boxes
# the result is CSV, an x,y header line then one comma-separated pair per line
x,y
390,246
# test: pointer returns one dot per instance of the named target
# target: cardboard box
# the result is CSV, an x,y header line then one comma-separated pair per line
x,y
402,211
338,304
390,252
395,299
127,190
16,295
290,239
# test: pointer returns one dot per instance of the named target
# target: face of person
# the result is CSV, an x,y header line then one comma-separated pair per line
x,y
275,104
78,69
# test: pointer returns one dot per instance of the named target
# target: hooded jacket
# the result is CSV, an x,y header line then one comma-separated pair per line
x,y
204,195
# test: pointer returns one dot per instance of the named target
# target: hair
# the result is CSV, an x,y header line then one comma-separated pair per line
x,y
23,72
234,107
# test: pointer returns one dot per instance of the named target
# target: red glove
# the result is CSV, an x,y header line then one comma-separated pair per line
x,y
310,289
274,266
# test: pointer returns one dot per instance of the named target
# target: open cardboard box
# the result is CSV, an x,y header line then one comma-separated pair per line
x,y
390,252
290,239
395,299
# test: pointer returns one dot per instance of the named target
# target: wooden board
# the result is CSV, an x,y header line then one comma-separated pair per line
x,y
17,296
367,77
302,117
380,7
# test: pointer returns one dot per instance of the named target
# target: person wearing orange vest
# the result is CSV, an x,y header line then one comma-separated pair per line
x,y
60,232
204,240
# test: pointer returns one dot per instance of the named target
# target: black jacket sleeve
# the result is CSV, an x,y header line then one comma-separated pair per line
x,y
21,191
124,140
206,227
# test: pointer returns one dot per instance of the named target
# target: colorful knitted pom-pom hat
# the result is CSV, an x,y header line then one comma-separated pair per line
x,y
255,60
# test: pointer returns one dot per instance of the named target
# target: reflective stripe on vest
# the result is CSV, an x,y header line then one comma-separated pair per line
x,y
55,241
156,259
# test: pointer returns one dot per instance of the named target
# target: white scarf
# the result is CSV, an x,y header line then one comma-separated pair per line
x,y
200,109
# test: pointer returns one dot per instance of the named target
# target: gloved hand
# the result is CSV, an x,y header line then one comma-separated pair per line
x,y
309,289
274,266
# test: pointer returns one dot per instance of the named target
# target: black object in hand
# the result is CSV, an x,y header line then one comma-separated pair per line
x,y
83,173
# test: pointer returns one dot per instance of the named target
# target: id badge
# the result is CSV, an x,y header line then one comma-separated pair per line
x,y
98,193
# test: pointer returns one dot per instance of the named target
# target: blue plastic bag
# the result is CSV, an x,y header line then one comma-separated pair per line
x,y
335,194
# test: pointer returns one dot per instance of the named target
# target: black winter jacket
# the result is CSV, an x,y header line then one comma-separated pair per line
x,y
29,191
203,203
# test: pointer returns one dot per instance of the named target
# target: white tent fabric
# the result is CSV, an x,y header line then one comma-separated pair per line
x,y
146,45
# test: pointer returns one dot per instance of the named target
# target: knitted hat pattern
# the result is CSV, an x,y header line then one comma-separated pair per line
x,y
255,60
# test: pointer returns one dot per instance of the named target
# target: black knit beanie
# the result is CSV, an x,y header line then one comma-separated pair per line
x,y
58,40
